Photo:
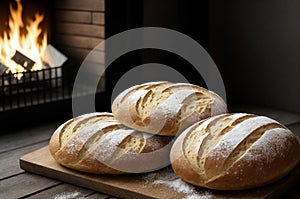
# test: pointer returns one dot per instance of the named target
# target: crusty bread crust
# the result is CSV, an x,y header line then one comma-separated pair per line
x,y
166,108
97,143
234,152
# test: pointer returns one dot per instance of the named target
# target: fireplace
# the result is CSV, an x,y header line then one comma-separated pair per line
x,y
76,27
30,86
226,30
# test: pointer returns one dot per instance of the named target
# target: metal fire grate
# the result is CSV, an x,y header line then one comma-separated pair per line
x,y
35,87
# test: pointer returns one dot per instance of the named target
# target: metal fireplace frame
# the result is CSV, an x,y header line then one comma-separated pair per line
x,y
34,88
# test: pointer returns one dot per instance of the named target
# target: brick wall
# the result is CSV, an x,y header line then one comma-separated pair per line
x,y
79,27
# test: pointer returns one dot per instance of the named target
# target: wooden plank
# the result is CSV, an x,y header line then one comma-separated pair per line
x,y
284,117
141,185
77,41
10,160
62,191
26,136
24,184
90,5
73,16
98,18
81,29
98,196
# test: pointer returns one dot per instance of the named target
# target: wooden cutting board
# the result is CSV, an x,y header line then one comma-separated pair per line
x,y
160,184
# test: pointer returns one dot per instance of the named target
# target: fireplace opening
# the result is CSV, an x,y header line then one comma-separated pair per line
x,y
42,45
31,68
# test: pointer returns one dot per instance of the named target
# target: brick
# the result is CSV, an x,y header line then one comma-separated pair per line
x,y
98,18
77,41
73,16
88,5
81,29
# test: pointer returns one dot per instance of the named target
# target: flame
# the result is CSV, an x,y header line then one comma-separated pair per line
x,y
27,43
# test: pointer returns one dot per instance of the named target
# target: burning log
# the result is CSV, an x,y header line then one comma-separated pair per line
x,y
24,61
3,69
51,70
23,43
30,68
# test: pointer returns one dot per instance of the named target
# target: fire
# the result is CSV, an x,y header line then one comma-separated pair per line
x,y
27,43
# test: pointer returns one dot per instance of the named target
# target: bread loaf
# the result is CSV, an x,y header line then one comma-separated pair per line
x,y
165,108
234,151
97,143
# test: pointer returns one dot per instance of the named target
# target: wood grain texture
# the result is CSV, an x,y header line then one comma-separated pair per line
x,y
23,185
63,191
98,196
98,18
80,29
77,41
10,160
90,5
26,136
135,186
73,16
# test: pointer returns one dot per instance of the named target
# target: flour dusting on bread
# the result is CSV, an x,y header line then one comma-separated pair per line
x,y
98,143
235,151
166,108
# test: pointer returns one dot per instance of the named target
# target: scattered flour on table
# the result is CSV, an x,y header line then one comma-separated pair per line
x,y
69,195
168,178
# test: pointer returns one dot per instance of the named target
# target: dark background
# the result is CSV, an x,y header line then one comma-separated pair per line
x,y
255,44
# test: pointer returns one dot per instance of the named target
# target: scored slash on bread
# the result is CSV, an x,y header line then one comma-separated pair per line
x,y
213,149
166,108
98,143
234,151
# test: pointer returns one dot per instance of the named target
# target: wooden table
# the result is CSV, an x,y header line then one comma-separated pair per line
x,y
16,183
